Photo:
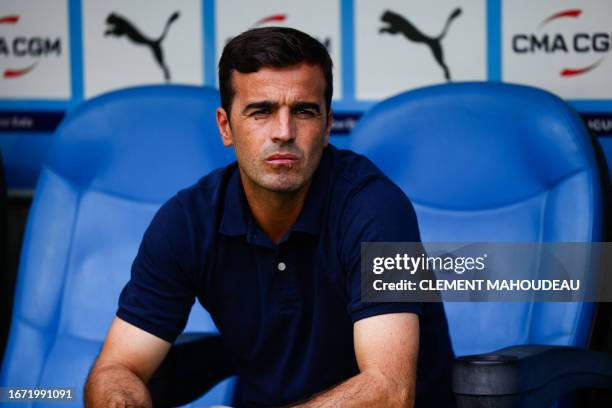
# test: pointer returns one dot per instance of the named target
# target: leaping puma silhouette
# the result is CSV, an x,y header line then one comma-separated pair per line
x,y
398,24
119,26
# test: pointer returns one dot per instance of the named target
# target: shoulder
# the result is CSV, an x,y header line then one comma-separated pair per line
x,y
352,168
202,199
192,214
362,184
371,204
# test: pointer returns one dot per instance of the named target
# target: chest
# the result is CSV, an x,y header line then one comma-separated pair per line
x,y
288,299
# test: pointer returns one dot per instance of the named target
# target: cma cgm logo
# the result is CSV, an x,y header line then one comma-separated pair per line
x,y
590,44
20,48
279,19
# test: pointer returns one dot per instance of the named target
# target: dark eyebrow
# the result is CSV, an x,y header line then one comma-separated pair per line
x,y
260,105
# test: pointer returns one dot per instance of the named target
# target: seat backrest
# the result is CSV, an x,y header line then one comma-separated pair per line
x,y
113,162
6,273
486,162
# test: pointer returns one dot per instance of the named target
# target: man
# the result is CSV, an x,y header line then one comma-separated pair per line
x,y
270,246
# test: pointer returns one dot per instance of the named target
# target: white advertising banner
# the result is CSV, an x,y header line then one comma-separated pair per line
x,y
139,42
405,44
319,18
563,46
34,49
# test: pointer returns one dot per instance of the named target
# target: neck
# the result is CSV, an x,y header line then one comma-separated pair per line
x,y
274,212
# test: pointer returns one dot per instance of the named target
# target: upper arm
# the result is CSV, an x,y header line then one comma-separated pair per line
x,y
388,345
135,349
378,212
162,287
386,334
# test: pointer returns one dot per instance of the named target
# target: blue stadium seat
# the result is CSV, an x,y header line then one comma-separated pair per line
x,y
489,162
6,273
113,162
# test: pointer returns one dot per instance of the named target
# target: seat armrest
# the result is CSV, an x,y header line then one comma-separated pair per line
x,y
195,363
528,376
519,369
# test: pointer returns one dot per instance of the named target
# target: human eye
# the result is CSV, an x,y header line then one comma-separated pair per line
x,y
305,112
260,113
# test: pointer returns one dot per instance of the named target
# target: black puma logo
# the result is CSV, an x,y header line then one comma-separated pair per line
x,y
398,24
119,26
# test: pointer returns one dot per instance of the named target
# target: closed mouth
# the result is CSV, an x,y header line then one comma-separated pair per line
x,y
282,158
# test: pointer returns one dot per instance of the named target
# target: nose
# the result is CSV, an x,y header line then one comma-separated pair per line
x,y
283,131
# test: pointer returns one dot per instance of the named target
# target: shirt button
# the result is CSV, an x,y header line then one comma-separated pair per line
x,y
282,266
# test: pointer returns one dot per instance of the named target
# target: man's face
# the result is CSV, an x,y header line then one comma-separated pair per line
x,y
278,126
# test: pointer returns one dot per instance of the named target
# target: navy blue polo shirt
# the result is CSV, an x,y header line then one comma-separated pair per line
x,y
286,310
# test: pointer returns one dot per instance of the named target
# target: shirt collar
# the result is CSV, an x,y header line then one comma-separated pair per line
x,y
238,220
310,217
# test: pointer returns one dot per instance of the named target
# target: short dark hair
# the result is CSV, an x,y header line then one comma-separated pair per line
x,y
271,47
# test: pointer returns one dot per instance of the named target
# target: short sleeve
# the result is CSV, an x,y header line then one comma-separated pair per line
x,y
377,212
161,290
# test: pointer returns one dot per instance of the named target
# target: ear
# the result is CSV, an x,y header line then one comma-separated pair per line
x,y
224,127
328,127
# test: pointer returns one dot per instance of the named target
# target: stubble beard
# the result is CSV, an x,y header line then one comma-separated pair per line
x,y
280,179
276,180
